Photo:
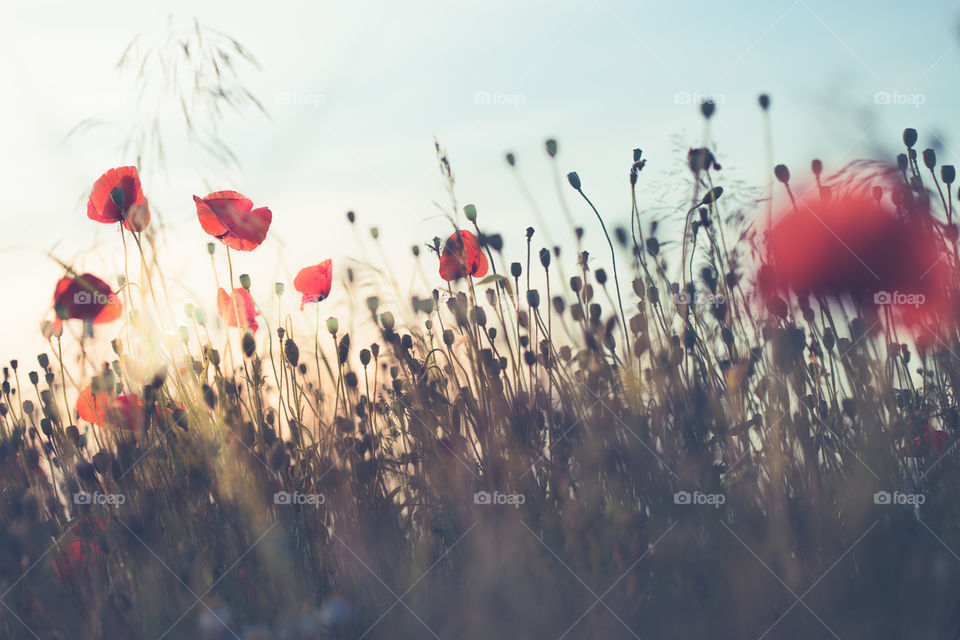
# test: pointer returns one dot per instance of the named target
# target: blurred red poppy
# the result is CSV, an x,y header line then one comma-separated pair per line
x,y
462,257
86,297
240,303
231,218
926,441
118,197
78,561
851,246
105,410
314,282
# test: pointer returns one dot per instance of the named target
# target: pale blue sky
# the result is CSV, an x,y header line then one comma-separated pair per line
x,y
377,81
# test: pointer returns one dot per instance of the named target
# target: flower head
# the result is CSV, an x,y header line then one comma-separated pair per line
x,y
231,218
118,197
86,297
462,257
237,310
314,282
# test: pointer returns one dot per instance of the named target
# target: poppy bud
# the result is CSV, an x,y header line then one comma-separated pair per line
x,y
707,108
948,173
248,344
471,212
817,167
292,352
375,349
713,195
601,276
930,158
511,160
245,281
200,316
343,349
574,180
782,173
387,320
545,258
46,426
214,356
211,247
909,137
551,145
364,357
576,283
764,101
516,269
351,217
533,298
479,316
653,246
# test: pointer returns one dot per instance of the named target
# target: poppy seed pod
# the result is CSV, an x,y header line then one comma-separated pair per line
x,y
930,158
551,145
902,161
333,324
601,276
387,320
278,288
637,153
909,137
448,337
374,232
817,167
516,269
375,349
511,160
713,195
533,298
470,211
782,173
245,281
34,377
708,108
249,344
545,258
764,101
364,357
44,360
948,173
576,283
291,352
574,180
211,248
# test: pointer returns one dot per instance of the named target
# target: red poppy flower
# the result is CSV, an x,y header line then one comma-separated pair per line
x,y
314,282
231,218
851,246
104,410
117,197
462,257
927,442
229,306
78,561
86,297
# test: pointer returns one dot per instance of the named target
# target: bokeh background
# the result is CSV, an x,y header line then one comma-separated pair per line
x,y
353,95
